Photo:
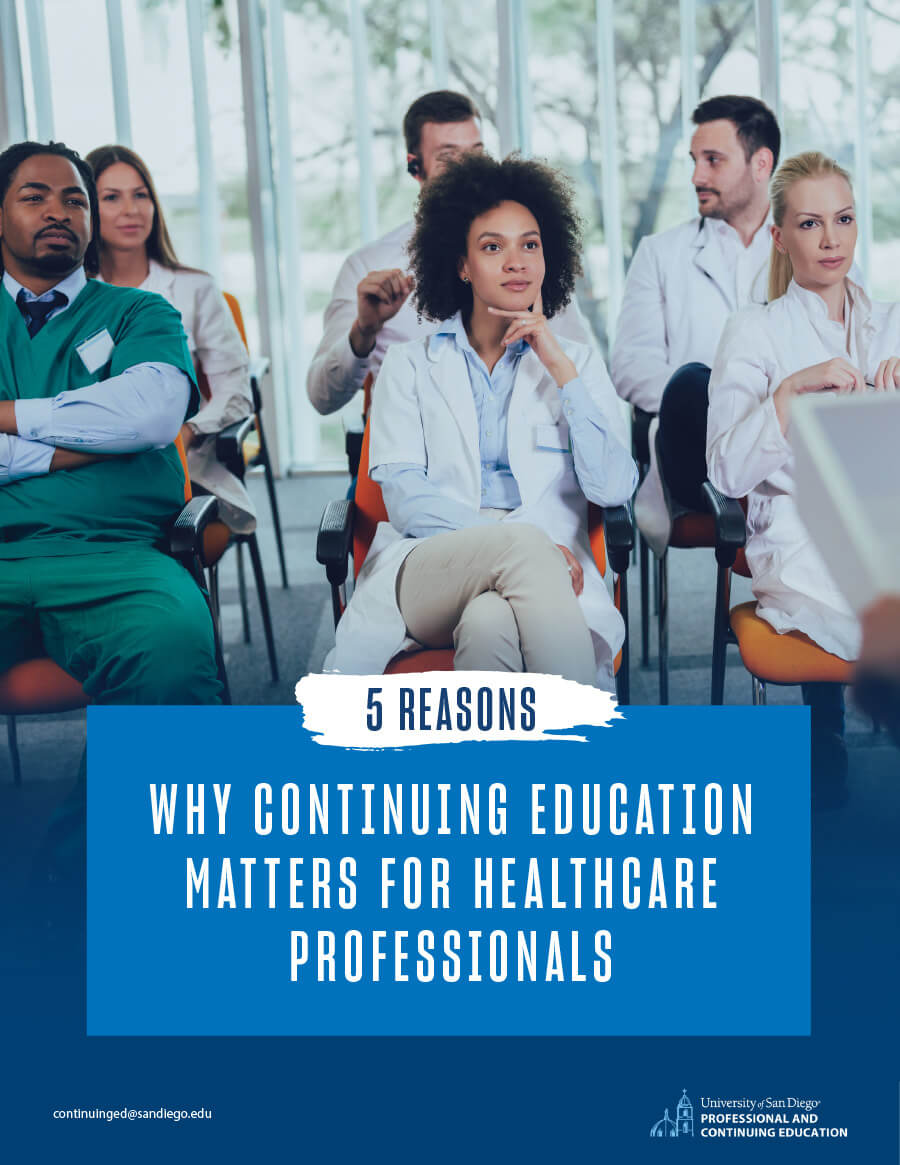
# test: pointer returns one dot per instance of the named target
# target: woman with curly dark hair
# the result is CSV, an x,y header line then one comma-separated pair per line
x,y
486,438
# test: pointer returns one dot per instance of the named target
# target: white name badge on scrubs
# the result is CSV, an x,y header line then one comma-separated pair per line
x,y
96,350
554,437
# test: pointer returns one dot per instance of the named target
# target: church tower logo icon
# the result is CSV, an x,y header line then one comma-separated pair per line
x,y
682,1125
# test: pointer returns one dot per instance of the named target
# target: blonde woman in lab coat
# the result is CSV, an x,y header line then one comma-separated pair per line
x,y
486,438
818,333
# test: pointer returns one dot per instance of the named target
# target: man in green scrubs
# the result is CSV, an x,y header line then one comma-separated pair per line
x,y
95,382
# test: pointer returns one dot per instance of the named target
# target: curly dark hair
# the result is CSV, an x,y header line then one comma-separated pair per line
x,y
450,202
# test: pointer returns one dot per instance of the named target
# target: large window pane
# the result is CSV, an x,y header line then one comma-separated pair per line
x,y
883,116
322,112
399,71
568,115
162,122
648,86
81,89
726,48
229,146
326,177
472,58
817,79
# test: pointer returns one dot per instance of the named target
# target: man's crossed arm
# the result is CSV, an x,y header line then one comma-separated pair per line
x,y
142,408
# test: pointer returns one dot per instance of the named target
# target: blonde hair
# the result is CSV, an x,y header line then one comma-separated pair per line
x,y
810,164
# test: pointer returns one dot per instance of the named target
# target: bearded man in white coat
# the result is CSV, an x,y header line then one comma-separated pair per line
x,y
371,306
685,282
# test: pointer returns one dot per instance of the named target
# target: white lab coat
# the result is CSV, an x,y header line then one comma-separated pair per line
x,y
336,373
681,288
216,346
424,414
748,454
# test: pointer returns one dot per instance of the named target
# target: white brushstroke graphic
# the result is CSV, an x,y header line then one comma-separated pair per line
x,y
448,708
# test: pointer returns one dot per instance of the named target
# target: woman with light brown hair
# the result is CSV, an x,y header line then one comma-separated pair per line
x,y
136,251
819,333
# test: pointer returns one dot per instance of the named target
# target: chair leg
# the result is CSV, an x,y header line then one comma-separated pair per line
x,y
759,692
212,574
644,555
212,590
720,631
654,582
662,593
13,739
273,502
623,684
338,602
242,590
220,664
256,562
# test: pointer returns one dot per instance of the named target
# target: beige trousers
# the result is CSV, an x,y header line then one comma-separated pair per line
x,y
502,596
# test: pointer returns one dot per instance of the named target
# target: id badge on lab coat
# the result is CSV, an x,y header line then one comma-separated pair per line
x,y
553,437
96,350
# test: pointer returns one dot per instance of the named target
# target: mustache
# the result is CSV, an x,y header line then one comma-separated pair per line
x,y
59,230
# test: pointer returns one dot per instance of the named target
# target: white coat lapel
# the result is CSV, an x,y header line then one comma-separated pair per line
x,y
450,376
525,411
161,280
709,258
528,377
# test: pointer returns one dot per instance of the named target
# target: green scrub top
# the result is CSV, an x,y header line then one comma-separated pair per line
x,y
130,498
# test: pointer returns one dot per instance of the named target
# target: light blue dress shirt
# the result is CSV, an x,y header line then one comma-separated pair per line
x,y
142,408
604,468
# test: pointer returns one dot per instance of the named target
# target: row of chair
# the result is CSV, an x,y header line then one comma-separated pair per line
x,y
347,527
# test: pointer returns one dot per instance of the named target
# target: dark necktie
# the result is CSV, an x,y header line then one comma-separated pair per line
x,y
35,311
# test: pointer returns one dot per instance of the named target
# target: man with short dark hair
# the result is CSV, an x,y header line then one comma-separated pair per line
x,y
95,382
370,306
685,282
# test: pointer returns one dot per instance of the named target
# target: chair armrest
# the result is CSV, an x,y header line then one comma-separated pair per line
x,y
618,529
731,526
186,535
333,539
259,366
229,445
640,435
353,443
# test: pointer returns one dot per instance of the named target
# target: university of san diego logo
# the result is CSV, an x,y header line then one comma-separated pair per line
x,y
682,1125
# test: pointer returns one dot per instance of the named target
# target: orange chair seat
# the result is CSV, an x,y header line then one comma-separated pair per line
x,y
39,685
693,529
790,658
437,659
216,538
429,659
